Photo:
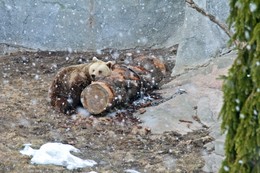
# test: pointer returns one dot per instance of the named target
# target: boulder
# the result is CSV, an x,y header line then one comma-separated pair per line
x,y
201,38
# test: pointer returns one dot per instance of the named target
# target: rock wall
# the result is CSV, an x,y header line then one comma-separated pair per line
x,y
89,24
82,25
201,38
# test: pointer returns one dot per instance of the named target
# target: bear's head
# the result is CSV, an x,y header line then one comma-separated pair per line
x,y
100,68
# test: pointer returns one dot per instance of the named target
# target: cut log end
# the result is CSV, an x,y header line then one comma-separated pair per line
x,y
97,97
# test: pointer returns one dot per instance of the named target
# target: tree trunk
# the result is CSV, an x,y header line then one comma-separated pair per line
x,y
126,83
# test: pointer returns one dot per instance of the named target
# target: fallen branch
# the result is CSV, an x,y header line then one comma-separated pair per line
x,y
211,17
185,121
223,26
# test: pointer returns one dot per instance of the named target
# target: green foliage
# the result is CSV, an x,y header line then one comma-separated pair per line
x,y
241,109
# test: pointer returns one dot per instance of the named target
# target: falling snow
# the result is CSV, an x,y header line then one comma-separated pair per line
x,y
26,80
226,168
242,116
252,7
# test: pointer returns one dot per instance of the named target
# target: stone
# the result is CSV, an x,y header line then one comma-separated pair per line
x,y
173,115
204,113
219,8
219,146
215,130
89,25
203,99
213,162
201,38
209,146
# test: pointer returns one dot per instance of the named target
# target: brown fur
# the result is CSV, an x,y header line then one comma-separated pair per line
x,y
69,82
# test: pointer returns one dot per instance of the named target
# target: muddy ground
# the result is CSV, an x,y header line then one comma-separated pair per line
x,y
116,142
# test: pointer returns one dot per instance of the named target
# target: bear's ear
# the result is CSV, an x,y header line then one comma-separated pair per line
x,y
110,63
95,59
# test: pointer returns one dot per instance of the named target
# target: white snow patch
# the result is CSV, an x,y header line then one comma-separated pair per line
x,y
83,112
131,171
57,154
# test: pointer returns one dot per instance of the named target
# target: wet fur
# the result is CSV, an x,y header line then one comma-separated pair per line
x,y
67,86
69,82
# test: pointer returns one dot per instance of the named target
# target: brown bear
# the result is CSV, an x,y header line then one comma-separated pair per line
x,y
65,90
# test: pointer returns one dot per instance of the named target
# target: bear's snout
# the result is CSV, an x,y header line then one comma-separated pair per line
x,y
93,76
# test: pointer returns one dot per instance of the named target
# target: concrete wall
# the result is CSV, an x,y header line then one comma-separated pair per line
x,y
89,24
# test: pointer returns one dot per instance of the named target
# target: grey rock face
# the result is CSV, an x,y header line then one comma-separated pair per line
x,y
84,25
201,38
88,24
198,107
219,8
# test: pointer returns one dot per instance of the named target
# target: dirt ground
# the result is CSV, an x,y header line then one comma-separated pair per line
x,y
116,142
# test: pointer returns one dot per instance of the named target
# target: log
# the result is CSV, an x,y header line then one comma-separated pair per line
x,y
101,96
125,84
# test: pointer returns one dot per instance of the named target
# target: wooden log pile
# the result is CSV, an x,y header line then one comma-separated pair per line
x,y
126,83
